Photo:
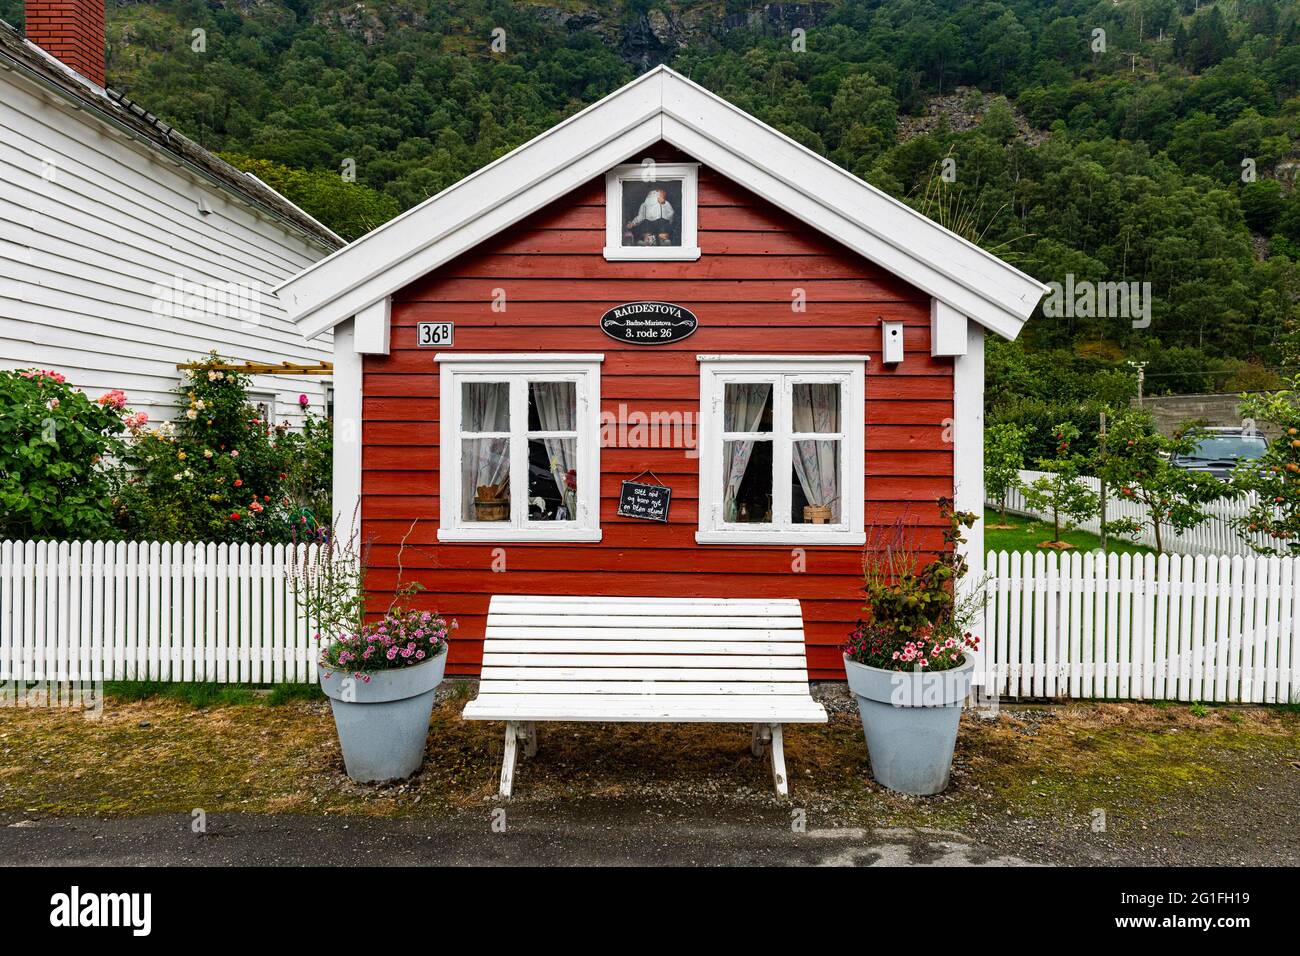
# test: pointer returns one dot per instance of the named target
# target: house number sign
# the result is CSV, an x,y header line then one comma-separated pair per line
x,y
648,323
433,335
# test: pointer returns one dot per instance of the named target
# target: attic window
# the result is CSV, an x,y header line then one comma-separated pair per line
x,y
650,211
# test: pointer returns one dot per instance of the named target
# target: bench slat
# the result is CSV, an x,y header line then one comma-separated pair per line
x,y
657,675
648,688
786,605
580,632
606,619
641,708
606,648
723,661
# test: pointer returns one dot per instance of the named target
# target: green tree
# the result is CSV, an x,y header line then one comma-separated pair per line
x,y
1275,478
1138,464
1061,492
1004,457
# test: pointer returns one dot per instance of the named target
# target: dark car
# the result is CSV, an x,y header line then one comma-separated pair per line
x,y
1218,450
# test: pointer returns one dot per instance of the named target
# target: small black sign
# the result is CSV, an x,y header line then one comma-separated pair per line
x,y
648,502
648,323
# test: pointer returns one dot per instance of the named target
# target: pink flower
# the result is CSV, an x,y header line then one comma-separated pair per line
x,y
303,401
136,420
113,399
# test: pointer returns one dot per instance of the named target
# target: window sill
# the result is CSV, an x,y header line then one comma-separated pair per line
x,y
830,538
651,254
520,535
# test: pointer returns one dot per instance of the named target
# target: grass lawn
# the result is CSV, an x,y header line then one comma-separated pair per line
x,y
1027,534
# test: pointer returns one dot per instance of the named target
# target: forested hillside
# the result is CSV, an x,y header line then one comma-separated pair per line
x,y
1123,140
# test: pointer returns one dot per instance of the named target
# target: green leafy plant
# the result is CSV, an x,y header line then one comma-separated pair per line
x,y
1137,463
1275,478
56,445
1061,492
1004,457
918,617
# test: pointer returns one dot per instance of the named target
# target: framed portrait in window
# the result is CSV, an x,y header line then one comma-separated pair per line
x,y
651,211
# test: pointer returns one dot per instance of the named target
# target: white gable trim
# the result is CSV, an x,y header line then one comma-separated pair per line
x,y
663,105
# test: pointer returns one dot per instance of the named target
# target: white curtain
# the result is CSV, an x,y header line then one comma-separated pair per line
x,y
816,408
742,412
485,407
556,404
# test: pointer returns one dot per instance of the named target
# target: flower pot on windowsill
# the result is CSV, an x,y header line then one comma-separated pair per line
x,y
383,723
910,720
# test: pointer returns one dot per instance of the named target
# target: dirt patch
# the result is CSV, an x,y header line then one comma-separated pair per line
x,y
1078,782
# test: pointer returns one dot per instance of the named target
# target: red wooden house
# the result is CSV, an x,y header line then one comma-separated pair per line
x,y
664,291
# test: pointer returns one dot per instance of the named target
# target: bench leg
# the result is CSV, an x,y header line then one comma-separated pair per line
x,y
530,739
762,734
508,761
778,761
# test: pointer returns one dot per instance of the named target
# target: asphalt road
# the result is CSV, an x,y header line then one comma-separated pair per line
x,y
528,838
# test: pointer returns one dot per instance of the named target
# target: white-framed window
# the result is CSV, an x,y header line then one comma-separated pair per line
x,y
520,447
651,211
264,401
781,450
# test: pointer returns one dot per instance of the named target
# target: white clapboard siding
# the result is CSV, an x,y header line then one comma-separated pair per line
x,y
1217,535
94,610
93,226
1142,627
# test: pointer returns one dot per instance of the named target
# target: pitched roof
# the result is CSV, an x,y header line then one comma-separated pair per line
x,y
115,109
663,105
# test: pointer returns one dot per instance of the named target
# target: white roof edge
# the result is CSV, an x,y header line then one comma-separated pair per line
x,y
663,104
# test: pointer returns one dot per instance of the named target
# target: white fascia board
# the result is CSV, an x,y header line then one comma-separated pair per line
x,y
373,327
947,330
581,148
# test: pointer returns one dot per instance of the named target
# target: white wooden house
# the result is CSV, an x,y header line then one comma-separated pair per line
x,y
126,248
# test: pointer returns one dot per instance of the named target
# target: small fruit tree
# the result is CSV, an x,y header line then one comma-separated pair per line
x,y
1062,492
1275,478
1138,463
54,445
1004,457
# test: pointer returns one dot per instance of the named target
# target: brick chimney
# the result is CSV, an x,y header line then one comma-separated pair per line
x,y
72,30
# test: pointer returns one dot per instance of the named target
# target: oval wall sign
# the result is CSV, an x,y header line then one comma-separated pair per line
x,y
648,323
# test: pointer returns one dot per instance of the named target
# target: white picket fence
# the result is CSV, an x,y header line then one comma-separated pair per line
x,y
1209,628
1217,535
91,611
1174,627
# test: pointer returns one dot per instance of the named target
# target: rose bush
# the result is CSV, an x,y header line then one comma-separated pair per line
x,y
56,450
221,472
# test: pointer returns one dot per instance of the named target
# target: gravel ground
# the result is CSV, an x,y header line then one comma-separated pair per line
x,y
1069,784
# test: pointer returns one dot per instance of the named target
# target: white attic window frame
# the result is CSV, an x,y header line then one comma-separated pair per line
x,y
650,171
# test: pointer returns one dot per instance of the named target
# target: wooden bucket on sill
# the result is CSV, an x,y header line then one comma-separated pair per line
x,y
817,514
491,504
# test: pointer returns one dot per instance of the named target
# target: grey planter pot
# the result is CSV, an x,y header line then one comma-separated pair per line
x,y
910,721
383,724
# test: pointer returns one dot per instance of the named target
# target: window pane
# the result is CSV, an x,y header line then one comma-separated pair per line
x,y
552,406
747,482
747,407
815,407
652,212
552,479
485,479
815,491
485,407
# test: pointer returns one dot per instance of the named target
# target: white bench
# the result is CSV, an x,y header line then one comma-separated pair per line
x,y
672,660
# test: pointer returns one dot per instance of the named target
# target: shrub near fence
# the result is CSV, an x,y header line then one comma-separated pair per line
x,y
1217,535
1175,627
89,611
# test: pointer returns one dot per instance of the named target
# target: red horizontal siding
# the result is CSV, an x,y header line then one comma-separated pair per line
x,y
556,285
